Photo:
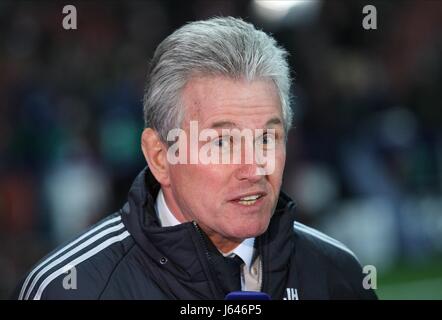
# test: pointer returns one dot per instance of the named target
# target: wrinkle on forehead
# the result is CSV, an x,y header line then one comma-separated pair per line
x,y
216,96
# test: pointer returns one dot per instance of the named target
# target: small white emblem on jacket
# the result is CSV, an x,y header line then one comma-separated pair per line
x,y
292,294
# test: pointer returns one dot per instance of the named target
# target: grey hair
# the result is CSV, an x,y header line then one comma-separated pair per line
x,y
224,46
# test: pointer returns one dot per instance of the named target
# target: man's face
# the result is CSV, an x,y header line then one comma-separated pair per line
x,y
211,194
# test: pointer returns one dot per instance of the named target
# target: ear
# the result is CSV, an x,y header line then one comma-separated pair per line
x,y
155,153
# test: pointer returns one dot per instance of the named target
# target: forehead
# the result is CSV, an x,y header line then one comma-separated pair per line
x,y
216,99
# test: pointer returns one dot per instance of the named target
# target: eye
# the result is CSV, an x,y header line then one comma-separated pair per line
x,y
268,138
222,142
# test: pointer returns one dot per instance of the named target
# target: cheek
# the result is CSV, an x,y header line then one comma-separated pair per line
x,y
276,177
200,181
180,181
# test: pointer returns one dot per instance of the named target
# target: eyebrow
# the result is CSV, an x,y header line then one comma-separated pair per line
x,y
274,122
229,124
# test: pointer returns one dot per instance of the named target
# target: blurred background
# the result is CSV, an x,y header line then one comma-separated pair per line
x,y
364,157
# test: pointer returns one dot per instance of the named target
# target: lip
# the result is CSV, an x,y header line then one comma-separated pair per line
x,y
248,208
261,194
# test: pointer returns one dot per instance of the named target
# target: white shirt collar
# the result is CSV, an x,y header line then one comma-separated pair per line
x,y
167,219
245,249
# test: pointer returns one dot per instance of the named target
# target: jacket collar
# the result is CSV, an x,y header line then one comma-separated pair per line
x,y
180,264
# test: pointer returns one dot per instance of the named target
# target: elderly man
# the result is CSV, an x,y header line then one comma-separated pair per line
x,y
206,216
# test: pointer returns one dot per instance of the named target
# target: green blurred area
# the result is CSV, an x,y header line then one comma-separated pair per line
x,y
412,281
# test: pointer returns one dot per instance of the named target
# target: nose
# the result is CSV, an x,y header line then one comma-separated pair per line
x,y
250,172
249,169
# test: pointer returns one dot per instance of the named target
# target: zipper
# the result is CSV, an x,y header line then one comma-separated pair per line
x,y
207,254
260,246
203,240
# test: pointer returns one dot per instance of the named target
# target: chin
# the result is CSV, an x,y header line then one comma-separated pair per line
x,y
250,230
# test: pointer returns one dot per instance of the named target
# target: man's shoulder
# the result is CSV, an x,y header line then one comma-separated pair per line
x,y
81,268
323,244
334,260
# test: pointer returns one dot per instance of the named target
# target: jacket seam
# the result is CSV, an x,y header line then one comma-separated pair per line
x,y
113,271
336,266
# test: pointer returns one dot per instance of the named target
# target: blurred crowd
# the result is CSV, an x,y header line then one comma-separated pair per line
x,y
364,160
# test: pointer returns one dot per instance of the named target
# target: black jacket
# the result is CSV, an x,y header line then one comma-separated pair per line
x,y
129,256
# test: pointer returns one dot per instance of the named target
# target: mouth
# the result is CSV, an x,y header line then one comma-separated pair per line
x,y
249,199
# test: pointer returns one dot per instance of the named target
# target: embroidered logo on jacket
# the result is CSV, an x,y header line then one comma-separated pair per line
x,y
291,294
